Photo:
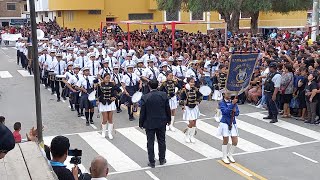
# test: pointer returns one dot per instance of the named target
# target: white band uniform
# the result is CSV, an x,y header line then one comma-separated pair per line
x,y
223,130
173,103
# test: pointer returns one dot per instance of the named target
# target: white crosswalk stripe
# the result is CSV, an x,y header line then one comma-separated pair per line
x,y
200,147
116,158
122,161
289,126
5,74
24,73
212,131
140,139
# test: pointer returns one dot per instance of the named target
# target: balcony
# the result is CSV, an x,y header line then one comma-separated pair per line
x,y
57,5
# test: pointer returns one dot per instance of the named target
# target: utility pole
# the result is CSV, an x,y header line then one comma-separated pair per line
x,y
36,69
315,20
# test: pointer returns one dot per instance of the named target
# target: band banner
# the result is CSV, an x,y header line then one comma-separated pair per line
x,y
241,68
11,37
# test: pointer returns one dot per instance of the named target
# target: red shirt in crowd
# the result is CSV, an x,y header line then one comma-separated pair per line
x,y
17,136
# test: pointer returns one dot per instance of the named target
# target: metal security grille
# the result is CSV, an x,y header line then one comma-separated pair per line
x,y
172,15
11,6
141,16
197,16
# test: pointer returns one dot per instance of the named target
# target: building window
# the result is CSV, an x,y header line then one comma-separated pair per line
x,y
69,15
197,16
244,15
140,16
94,12
25,7
59,14
11,6
46,14
36,14
172,15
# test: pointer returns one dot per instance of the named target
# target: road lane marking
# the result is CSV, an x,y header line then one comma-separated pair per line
x,y
154,177
4,48
213,131
140,140
93,126
263,133
117,159
5,74
289,126
47,141
304,157
242,171
63,101
251,172
202,114
200,147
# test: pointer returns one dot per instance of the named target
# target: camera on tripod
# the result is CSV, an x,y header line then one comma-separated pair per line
x,y
76,153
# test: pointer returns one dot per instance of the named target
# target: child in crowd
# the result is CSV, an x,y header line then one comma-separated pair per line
x,y
16,133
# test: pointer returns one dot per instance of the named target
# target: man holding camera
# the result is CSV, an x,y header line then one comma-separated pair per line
x,y
59,150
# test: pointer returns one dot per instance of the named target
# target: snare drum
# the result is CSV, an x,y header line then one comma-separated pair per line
x,y
205,90
51,75
59,77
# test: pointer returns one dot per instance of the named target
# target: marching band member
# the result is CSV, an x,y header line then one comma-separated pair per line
x,y
180,71
121,53
189,99
151,71
127,62
86,85
141,73
149,56
117,78
169,86
74,93
18,44
66,91
104,70
82,60
106,103
163,74
227,127
59,68
93,65
50,68
112,60
130,83
45,60
100,55
194,73
171,67
71,56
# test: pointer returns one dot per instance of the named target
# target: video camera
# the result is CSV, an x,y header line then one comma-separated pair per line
x,y
76,159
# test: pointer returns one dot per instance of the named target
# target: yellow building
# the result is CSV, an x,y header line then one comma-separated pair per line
x,y
87,14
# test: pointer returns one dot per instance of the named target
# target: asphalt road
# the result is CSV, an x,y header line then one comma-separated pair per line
x,y
285,150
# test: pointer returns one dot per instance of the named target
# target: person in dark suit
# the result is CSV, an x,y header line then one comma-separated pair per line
x,y
155,114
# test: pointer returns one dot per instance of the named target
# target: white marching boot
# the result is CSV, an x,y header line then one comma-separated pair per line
x,y
224,154
110,129
230,153
192,133
103,131
171,127
167,128
187,133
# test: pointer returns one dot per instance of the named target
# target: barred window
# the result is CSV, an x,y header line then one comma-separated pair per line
x,y
94,12
59,14
172,15
140,16
197,16
45,14
11,6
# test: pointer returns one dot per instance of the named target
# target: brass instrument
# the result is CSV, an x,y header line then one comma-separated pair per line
x,y
51,75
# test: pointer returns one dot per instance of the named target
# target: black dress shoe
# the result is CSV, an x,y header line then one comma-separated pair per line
x,y
87,123
131,118
91,121
307,121
72,109
118,111
52,93
268,117
273,121
64,98
79,115
58,100
163,162
152,165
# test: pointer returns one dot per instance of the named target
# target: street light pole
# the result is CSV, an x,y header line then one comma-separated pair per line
x,y
36,69
315,20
